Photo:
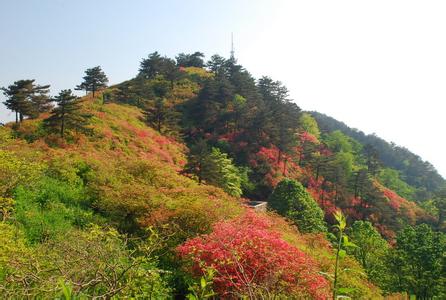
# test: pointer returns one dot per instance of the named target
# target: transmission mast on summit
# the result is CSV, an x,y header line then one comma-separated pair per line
x,y
232,47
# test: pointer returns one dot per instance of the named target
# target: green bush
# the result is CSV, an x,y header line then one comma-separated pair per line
x,y
51,208
290,199
94,263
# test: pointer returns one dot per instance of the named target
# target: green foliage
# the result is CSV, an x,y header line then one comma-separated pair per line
x,y
219,170
414,171
6,208
202,289
342,244
392,179
156,65
440,208
93,263
162,117
67,114
94,80
51,208
198,75
216,168
26,99
283,115
15,170
418,262
337,142
190,60
371,251
309,124
290,199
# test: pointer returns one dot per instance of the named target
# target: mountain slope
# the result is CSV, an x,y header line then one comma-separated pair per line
x,y
150,199
414,171
122,175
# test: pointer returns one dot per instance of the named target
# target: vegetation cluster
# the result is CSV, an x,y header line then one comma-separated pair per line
x,y
141,190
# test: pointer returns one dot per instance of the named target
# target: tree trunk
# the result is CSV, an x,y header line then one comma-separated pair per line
x,y
335,284
284,167
62,128
356,185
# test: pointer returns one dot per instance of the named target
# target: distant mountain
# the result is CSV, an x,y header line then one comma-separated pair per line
x,y
414,171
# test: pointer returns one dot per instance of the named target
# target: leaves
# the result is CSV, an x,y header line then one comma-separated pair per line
x,y
290,199
249,258
341,221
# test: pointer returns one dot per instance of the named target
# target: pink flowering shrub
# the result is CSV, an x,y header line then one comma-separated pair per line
x,y
251,259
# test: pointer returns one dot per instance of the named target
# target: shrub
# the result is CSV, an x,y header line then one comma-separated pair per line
x,y
95,263
290,199
51,208
251,260
15,170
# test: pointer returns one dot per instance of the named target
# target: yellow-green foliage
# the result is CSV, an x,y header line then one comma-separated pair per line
x,y
352,275
309,124
94,263
11,243
183,90
128,174
16,170
200,72
132,171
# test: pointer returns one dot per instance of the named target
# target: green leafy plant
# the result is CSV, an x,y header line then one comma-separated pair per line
x,y
342,243
202,289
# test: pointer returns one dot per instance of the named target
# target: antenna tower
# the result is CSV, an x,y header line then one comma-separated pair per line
x,y
232,46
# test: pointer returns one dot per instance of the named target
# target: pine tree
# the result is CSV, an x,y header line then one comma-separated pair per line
x,y
196,161
282,115
217,64
14,101
155,65
94,80
190,60
67,114
372,159
27,99
161,117
42,102
215,168
212,102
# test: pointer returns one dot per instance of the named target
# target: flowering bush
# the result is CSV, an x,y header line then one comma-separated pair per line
x,y
266,162
252,260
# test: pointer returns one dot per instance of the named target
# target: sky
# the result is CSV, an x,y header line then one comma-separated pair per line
x,y
379,66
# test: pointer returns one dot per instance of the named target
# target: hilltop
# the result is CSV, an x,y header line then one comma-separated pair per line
x,y
150,197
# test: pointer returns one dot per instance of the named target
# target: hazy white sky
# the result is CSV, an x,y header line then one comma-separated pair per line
x,y
379,66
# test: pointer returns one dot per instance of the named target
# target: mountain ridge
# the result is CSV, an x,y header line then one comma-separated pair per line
x,y
157,181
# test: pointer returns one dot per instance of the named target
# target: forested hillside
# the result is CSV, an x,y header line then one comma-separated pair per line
x,y
413,170
142,190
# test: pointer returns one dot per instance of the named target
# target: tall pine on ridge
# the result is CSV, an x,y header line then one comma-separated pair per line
x,y
27,99
67,114
94,80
